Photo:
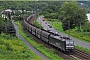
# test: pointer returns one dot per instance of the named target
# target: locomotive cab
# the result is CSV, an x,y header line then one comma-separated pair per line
x,y
69,45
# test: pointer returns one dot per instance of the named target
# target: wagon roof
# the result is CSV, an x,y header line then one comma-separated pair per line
x,y
60,38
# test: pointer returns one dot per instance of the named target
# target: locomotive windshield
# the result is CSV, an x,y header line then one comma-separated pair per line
x,y
69,43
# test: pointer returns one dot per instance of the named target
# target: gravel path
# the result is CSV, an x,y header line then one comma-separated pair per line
x,y
29,45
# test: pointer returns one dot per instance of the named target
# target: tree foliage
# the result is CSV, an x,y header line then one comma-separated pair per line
x,y
6,26
2,24
51,9
86,27
71,15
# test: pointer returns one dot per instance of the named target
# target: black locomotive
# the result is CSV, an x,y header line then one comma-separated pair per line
x,y
63,43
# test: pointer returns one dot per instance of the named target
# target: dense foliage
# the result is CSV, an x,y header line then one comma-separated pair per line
x,y
23,5
6,26
85,4
71,15
86,27
51,9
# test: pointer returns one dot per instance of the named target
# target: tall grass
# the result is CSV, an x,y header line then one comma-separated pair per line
x,y
12,48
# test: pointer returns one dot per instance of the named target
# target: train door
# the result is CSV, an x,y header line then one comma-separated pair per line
x,y
63,45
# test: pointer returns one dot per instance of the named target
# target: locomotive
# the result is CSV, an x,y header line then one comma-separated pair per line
x,y
63,43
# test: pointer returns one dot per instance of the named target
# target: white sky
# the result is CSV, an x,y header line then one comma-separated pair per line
x,y
88,16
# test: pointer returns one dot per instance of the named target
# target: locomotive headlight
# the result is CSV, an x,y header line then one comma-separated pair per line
x,y
66,48
72,48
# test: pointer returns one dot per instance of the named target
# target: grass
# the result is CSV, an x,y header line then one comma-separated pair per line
x,y
48,52
84,36
57,25
37,24
17,22
12,48
81,48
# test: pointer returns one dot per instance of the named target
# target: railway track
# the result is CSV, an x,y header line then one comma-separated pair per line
x,y
77,54
80,54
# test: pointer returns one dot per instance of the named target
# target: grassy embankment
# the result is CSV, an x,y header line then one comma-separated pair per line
x,y
12,48
86,35
48,52
37,24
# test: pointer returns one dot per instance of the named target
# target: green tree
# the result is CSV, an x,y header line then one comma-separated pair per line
x,y
1,9
86,27
2,24
80,18
71,15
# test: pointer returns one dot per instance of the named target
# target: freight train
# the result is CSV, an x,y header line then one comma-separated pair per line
x,y
63,43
